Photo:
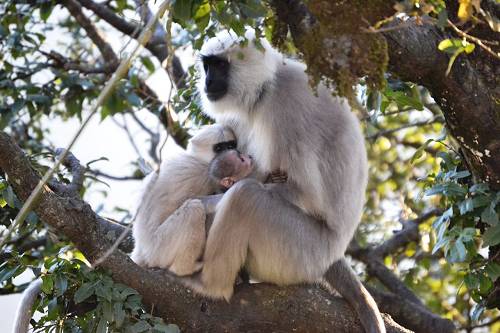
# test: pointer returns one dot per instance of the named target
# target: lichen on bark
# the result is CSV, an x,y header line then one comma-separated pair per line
x,y
338,52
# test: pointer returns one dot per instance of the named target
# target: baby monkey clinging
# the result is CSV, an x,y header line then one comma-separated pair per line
x,y
229,167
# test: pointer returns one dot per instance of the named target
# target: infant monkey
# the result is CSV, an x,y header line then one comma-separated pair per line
x,y
229,167
225,169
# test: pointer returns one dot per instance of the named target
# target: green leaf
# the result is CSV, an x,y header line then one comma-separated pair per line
x,y
38,98
133,99
47,284
107,311
146,61
450,45
84,292
442,242
46,10
485,284
128,292
140,326
493,270
452,60
101,327
104,292
490,216
458,252
170,328
491,236
202,11
61,283
466,206
7,273
480,188
119,314
471,280
420,151
467,234
182,10
253,9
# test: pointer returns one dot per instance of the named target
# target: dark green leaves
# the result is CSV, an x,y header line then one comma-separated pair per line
x,y
455,47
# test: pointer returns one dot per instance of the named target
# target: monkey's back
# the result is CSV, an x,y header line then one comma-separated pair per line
x,y
180,177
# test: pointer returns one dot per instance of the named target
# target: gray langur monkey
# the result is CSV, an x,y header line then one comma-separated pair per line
x,y
295,231
169,229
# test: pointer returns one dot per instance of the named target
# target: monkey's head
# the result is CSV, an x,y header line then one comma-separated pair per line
x,y
211,140
234,77
229,167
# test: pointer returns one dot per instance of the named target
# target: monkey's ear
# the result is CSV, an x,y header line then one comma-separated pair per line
x,y
227,182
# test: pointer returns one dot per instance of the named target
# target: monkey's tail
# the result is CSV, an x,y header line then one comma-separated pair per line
x,y
25,308
341,277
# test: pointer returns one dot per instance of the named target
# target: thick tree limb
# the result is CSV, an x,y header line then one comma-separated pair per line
x,y
468,96
261,308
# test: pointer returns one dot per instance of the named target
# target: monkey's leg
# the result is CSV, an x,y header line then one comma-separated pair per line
x,y
256,227
181,239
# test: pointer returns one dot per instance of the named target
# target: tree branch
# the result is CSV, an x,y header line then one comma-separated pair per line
x,y
253,308
157,45
468,96
408,234
106,50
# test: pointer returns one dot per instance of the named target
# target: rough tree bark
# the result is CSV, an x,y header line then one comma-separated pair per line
x,y
469,96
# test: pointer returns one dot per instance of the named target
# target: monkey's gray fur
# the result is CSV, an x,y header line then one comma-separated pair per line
x,y
169,229
292,232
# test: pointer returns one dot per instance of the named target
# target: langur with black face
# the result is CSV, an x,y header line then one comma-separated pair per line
x,y
295,231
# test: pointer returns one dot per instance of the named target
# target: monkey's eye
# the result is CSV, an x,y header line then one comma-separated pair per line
x,y
221,63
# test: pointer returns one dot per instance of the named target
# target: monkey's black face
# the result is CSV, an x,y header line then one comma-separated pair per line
x,y
223,146
216,76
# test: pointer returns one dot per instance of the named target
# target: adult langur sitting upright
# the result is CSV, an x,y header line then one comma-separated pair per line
x,y
290,232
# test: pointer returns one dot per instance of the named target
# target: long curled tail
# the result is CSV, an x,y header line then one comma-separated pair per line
x,y
25,308
341,277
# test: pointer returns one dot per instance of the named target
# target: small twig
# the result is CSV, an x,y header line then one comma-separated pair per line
x,y
130,137
372,30
155,137
60,61
434,120
474,40
112,177
488,323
